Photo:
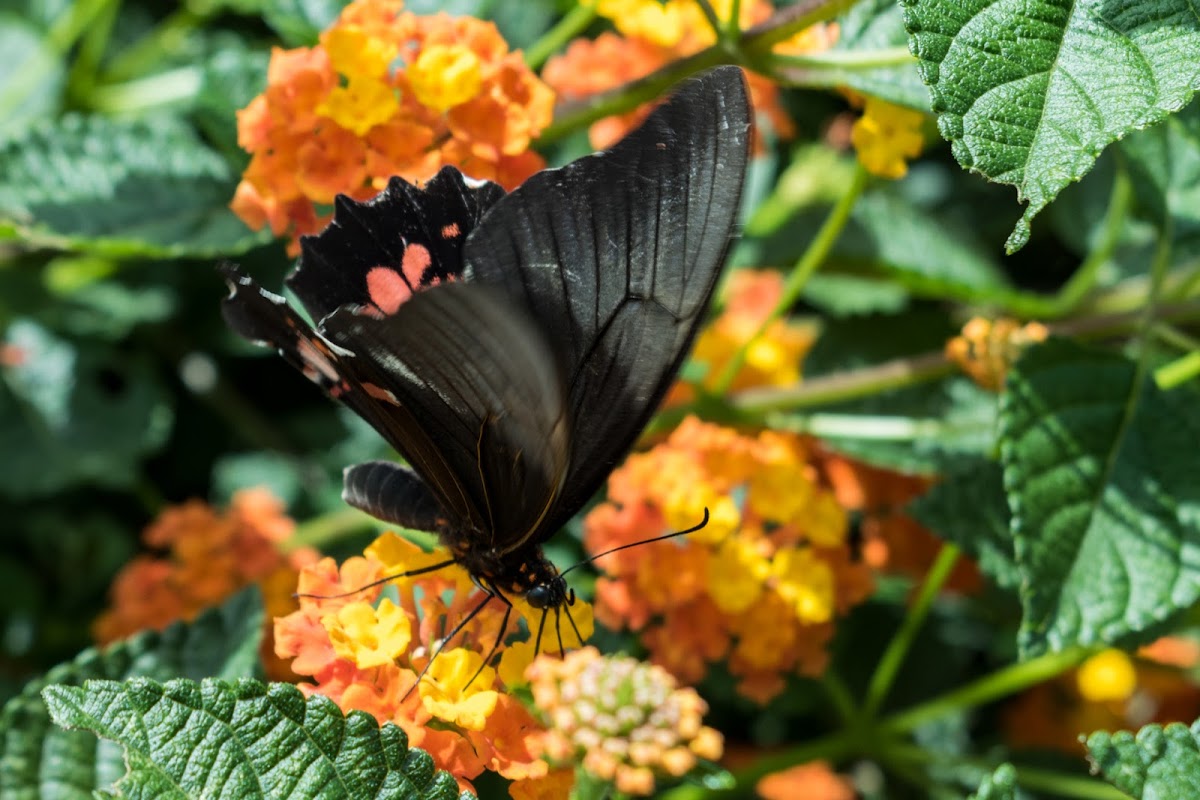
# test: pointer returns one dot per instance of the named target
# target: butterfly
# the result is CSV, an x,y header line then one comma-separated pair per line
x,y
511,347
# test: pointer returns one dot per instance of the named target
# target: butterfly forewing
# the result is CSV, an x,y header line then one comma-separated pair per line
x,y
484,383
358,382
616,256
382,251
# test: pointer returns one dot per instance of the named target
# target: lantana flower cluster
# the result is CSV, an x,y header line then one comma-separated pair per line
x,y
651,34
987,348
758,587
625,721
1111,691
207,557
886,137
385,92
772,359
365,650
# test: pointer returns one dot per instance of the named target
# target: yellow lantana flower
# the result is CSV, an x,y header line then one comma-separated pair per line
x,y
451,691
368,636
445,76
886,137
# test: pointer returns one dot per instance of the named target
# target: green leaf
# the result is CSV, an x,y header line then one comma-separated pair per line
x,y
969,508
39,760
842,295
1104,484
1160,763
878,25
233,76
32,80
938,423
1165,165
1029,93
922,252
246,740
75,413
1000,785
299,22
120,187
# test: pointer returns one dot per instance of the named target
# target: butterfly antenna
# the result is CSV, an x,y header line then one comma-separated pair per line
x,y
692,529
379,582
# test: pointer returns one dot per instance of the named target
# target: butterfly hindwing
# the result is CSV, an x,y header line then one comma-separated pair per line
x,y
616,256
485,384
380,251
357,382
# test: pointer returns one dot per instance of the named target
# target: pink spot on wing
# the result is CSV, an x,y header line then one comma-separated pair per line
x,y
379,393
450,231
387,289
416,259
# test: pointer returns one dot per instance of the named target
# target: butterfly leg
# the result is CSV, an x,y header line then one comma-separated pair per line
x,y
491,589
488,595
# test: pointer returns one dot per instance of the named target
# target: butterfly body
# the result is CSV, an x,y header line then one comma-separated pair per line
x,y
512,346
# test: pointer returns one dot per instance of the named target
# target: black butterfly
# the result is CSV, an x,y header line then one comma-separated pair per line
x,y
511,347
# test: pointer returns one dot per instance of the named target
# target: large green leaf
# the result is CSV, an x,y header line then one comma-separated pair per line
x,y
246,740
1165,164
31,82
121,187
39,760
1000,785
1159,763
1103,479
877,25
969,508
73,413
1030,93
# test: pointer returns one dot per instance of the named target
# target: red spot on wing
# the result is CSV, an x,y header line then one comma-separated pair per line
x,y
379,393
416,260
451,231
387,289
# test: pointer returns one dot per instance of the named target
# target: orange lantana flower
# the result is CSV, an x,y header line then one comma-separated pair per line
x,y
384,93
365,651
759,586
208,557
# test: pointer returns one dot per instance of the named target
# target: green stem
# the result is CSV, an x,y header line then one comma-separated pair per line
x,y
1002,683
789,21
816,253
847,59
1084,279
1051,782
167,37
566,29
331,527
571,117
165,89
60,39
82,79
839,696
903,372
574,116
733,25
1178,372
889,665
